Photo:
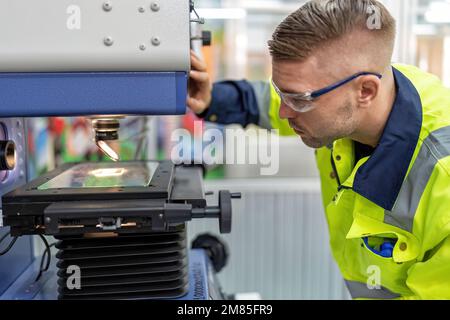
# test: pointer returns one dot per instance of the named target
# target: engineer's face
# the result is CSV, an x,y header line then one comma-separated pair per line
x,y
333,114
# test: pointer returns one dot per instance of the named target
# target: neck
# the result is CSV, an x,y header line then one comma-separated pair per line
x,y
374,122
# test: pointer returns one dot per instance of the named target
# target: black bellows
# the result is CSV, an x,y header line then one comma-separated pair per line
x,y
127,266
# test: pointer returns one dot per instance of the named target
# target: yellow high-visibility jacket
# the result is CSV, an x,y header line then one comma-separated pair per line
x,y
398,197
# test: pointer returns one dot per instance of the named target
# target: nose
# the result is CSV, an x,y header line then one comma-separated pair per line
x,y
286,112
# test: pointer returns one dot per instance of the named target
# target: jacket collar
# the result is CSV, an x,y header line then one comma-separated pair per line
x,y
380,178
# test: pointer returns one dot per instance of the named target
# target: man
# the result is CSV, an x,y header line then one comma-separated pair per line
x,y
382,139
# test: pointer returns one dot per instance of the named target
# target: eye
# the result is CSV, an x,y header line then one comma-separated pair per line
x,y
300,101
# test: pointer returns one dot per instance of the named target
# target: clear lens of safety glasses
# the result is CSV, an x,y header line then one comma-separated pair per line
x,y
299,102
299,105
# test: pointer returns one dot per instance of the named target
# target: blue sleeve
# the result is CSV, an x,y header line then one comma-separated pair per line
x,y
233,102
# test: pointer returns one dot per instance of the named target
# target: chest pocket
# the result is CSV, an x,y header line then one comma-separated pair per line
x,y
363,244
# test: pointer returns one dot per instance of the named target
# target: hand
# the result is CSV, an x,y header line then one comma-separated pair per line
x,y
200,87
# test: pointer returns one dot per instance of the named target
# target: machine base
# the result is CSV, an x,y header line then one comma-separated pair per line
x,y
202,283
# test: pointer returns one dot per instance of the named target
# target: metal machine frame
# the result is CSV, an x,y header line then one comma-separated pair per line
x,y
129,242
75,58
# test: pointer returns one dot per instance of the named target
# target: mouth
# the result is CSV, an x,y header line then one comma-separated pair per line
x,y
297,130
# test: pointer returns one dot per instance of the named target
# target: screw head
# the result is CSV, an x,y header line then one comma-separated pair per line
x,y
142,47
155,6
141,9
107,6
108,41
156,41
48,220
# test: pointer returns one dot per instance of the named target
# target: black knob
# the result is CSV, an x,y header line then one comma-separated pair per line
x,y
216,249
206,38
7,155
225,211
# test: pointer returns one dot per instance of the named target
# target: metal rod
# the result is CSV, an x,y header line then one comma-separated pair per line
x,y
209,212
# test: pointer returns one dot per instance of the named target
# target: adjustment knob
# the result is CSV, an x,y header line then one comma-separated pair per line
x,y
225,211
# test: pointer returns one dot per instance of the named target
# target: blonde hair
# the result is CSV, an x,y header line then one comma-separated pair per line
x,y
319,22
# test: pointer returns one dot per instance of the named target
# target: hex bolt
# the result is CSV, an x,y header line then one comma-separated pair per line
x,y
107,6
155,7
108,41
156,41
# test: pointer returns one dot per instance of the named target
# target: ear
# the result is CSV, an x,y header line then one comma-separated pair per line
x,y
368,88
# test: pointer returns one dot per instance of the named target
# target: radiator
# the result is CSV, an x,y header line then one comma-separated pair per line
x,y
279,242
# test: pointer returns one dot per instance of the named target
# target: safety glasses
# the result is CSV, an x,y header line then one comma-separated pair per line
x,y
304,102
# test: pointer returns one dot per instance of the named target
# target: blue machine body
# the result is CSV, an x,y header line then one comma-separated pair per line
x,y
16,261
92,93
13,264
